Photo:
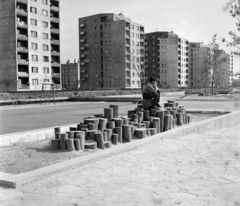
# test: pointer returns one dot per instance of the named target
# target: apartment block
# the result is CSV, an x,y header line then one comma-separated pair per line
x,y
198,54
70,75
29,44
111,49
166,58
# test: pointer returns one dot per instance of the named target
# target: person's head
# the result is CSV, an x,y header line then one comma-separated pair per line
x,y
152,81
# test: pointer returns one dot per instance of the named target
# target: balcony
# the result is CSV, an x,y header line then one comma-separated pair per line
x,y
82,25
23,61
82,40
23,74
82,56
54,8
83,71
21,12
22,1
22,49
82,33
55,53
23,86
55,64
83,63
22,24
53,41
55,31
55,19
22,37
56,75
82,48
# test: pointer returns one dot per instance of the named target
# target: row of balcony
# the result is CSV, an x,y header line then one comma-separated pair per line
x,y
54,19
22,37
22,12
54,8
26,62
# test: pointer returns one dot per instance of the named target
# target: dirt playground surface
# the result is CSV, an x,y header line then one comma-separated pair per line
x,y
25,157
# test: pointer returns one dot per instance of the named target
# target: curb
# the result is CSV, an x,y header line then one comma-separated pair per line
x,y
224,121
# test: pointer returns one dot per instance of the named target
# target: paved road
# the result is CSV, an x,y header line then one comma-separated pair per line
x,y
30,117
195,170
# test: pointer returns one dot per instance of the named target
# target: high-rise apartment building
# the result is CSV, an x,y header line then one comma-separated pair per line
x,y
198,54
111,51
167,59
29,44
70,75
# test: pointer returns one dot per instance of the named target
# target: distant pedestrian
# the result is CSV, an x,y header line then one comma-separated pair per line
x,y
151,91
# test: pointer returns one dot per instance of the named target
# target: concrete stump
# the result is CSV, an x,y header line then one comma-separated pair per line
x,y
81,141
90,144
154,125
108,113
110,125
157,119
91,133
77,144
72,128
166,122
170,122
147,123
140,133
119,132
63,139
131,113
125,121
118,122
102,124
115,139
115,110
57,130
127,133
109,134
93,121
57,135
55,144
70,144
140,116
107,144
79,132
160,114
188,119
151,131
99,139
105,136
149,119
179,119
91,126
146,114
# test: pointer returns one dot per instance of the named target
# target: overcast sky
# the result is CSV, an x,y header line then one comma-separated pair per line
x,y
195,20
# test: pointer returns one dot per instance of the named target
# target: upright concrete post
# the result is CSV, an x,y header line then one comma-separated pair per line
x,y
166,122
99,139
115,139
102,124
70,144
109,134
81,141
77,144
108,113
118,122
63,139
127,133
157,119
119,131
57,130
140,133
115,110
146,114
161,114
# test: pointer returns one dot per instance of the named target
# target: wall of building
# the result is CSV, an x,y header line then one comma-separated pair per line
x,y
8,45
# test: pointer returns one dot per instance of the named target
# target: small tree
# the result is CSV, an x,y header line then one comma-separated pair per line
x,y
212,72
233,6
7,80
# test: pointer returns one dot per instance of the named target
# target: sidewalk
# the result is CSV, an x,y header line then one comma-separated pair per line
x,y
192,170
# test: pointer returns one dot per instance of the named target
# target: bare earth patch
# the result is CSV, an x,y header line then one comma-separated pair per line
x,y
24,157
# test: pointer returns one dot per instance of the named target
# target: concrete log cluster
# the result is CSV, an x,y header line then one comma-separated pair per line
x,y
103,130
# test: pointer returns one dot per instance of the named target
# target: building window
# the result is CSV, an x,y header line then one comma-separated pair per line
x,y
45,70
45,24
33,10
34,34
35,81
45,36
46,80
34,69
44,13
45,58
132,26
34,22
45,47
34,46
45,2
34,58
133,82
132,34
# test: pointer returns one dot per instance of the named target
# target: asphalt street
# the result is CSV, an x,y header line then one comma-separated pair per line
x,y
31,117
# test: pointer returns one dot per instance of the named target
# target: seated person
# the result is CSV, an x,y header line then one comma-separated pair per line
x,y
151,91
